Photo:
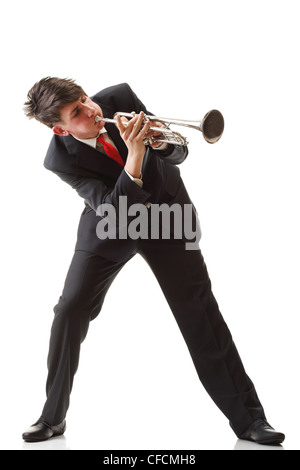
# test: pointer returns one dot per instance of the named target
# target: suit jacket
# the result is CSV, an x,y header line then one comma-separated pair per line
x,y
98,179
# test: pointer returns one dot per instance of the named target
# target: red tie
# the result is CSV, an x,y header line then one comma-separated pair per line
x,y
110,150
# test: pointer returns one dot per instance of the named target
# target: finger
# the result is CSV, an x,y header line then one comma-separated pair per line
x,y
128,126
152,133
138,122
145,130
156,144
158,124
133,121
119,124
134,126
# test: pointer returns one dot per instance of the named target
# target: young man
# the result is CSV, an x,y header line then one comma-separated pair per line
x,y
109,165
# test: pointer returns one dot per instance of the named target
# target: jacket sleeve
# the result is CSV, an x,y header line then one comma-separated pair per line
x,y
96,193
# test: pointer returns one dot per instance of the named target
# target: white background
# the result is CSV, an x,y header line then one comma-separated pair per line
x,y
136,387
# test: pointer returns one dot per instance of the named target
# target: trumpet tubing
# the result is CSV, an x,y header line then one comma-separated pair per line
x,y
211,126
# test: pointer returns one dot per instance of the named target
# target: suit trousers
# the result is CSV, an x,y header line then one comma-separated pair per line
x,y
184,280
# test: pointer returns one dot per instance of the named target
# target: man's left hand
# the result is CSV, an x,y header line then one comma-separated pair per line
x,y
151,133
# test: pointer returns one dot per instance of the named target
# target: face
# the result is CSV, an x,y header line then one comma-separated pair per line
x,y
78,119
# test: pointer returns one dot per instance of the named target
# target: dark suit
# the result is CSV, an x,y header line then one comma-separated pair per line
x,y
182,273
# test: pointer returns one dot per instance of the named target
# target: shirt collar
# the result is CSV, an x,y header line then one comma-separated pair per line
x,y
91,142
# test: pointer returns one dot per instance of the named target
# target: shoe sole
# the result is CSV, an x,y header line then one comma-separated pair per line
x,y
271,442
32,439
36,440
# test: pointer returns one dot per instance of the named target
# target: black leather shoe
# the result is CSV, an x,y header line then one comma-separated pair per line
x,y
261,432
41,431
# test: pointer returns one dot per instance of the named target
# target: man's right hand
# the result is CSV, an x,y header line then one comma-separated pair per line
x,y
133,133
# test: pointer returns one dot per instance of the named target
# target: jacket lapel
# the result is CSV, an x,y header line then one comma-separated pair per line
x,y
89,158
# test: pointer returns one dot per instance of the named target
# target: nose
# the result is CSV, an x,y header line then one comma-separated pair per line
x,y
90,112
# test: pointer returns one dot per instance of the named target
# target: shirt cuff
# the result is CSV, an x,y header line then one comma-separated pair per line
x,y
162,146
138,181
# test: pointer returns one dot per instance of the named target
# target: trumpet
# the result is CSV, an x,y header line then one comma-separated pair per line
x,y
211,126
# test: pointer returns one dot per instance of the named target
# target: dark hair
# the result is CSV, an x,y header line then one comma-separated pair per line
x,y
48,96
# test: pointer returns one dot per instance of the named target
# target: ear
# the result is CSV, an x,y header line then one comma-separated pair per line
x,y
60,131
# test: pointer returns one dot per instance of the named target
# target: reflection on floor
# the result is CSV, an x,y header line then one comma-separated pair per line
x,y
60,443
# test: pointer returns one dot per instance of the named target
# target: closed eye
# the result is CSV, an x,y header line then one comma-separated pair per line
x,y
76,111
